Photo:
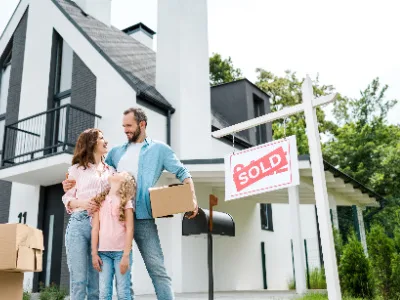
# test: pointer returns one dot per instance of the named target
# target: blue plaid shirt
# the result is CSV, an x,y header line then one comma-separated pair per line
x,y
154,158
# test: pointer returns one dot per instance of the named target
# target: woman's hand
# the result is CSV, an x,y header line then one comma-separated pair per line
x,y
124,264
96,261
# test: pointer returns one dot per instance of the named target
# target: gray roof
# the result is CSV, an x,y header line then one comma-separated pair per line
x,y
133,60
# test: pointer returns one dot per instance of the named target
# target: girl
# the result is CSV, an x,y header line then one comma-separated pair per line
x,y
91,174
112,234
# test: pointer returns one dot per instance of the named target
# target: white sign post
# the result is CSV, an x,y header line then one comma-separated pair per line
x,y
261,169
321,195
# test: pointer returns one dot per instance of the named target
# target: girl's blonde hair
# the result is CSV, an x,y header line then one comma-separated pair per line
x,y
126,191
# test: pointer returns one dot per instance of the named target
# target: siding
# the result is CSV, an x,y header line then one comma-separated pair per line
x,y
14,93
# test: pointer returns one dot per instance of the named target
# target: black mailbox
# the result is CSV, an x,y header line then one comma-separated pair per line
x,y
223,224
209,222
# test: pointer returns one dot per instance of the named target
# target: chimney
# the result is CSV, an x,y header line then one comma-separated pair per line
x,y
182,75
141,33
98,9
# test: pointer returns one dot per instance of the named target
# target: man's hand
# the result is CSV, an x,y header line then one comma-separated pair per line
x,y
124,264
68,184
96,261
196,210
91,206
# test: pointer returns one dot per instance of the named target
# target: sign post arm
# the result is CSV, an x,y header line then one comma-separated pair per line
x,y
321,193
298,245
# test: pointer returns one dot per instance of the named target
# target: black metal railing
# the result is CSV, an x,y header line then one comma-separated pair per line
x,y
46,133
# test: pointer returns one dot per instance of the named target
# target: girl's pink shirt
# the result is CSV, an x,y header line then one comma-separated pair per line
x,y
89,183
112,232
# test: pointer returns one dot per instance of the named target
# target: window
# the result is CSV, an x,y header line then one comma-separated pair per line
x,y
266,216
62,74
5,70
259,110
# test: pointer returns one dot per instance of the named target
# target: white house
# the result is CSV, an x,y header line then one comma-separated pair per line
x,y
65,68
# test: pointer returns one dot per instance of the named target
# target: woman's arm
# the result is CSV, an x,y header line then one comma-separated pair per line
x,y
95,241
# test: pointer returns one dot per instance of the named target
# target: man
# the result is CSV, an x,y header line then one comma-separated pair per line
x,y
146,159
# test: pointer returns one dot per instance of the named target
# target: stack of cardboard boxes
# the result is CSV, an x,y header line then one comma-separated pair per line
x,y
21,250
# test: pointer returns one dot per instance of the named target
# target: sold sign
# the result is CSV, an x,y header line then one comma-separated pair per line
x,y
261,169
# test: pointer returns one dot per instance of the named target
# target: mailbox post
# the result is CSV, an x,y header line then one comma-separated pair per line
x,y
210,223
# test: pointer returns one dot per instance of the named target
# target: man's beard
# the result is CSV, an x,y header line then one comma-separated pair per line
x,y
135,135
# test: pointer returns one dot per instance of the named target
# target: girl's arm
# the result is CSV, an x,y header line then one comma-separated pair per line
x,y
129,231
95,241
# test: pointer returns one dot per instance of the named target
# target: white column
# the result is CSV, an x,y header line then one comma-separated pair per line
x,y
321,194
360,219
182,74
298,244
333,207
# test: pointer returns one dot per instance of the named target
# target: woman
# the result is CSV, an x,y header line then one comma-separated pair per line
x,y
91,175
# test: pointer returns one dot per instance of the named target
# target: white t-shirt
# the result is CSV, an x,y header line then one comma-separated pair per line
x,y
129,162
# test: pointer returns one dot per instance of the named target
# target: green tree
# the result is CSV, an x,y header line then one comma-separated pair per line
x,y
222,70
286,91
381,250
355,270
395,277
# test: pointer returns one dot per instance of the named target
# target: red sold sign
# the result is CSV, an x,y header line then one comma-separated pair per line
x,y
261,169
272,163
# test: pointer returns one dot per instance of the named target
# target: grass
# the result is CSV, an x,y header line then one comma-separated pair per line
x,y
316,296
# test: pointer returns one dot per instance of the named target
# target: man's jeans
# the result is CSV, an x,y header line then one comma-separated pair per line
x,y
111,261
148,242
84,279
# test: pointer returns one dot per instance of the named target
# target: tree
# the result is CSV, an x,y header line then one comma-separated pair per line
x,y
222,70
286,91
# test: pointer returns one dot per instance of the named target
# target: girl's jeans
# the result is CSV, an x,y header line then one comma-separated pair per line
x,y
110,267
84,279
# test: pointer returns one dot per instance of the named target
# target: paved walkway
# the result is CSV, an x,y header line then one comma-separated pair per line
x,y
254,295
262,295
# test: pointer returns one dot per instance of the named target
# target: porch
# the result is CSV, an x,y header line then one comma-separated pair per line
x,y
37,150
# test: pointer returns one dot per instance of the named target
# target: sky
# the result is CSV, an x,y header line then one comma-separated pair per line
x,y
348,43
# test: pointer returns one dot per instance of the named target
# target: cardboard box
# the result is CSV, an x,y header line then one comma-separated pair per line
x,y
170,200
21,248
11,286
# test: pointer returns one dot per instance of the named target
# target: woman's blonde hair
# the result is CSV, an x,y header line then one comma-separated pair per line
x,y
126,191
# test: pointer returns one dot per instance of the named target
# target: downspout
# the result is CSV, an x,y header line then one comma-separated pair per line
x,y
169,113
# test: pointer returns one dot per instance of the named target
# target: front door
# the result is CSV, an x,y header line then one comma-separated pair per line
x,y
53,231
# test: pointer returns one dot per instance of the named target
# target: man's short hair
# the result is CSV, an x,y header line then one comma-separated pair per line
x,y
138,113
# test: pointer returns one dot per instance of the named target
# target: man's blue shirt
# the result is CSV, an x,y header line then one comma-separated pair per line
x,y
154,158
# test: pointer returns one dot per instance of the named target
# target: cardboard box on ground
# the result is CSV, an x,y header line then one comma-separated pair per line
x,y
170,200
21,251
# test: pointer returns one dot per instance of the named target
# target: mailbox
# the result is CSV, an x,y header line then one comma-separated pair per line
x,y
211,223
223,224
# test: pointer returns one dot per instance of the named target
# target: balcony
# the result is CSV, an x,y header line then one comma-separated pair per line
x,y
38,150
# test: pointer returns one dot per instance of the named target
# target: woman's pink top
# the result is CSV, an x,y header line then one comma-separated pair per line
x,y
112,232
89,183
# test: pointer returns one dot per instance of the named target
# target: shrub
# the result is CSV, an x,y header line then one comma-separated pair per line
x,y
52,292
355,270
381,250
395,277
292,284
26,296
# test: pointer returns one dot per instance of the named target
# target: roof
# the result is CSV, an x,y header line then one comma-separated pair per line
x,y
137,27
135,62
240,80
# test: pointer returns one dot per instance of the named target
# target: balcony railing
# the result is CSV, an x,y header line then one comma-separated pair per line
x,y
44,134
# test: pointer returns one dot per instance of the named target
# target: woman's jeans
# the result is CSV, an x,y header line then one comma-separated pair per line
x,y
84,279
110,267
